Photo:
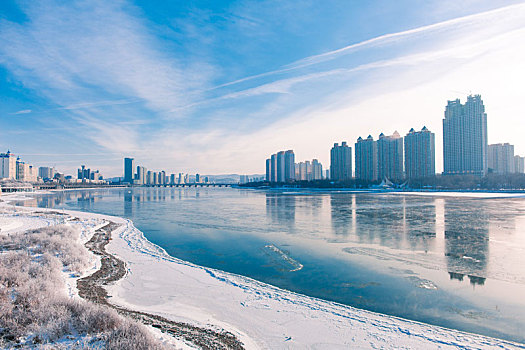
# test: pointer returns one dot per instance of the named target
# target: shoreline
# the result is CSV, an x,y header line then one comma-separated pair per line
x,y
307,321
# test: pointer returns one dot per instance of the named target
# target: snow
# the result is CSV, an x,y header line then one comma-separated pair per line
x,y
261,315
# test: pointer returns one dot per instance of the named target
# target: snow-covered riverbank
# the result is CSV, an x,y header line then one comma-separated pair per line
x,y
260,315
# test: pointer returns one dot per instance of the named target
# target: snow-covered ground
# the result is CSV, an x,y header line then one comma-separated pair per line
x,y
262,316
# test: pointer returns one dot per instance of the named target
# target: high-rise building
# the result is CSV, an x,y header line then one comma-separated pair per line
x,y
317,170
129,169
341,162
519,164
289,166
420,153
390,157
46,173
500,158
465,137
84,173
155,179
366,159
149,177
140,176
273,169
172,179
280,166
7,165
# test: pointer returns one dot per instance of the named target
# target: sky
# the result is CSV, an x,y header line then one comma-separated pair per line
x,y
215,87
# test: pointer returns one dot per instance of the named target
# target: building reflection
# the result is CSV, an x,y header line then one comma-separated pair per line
x,y
342,211
380,219
420,222
280,208
466,240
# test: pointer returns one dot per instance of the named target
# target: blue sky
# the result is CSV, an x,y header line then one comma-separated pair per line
x,y
214,87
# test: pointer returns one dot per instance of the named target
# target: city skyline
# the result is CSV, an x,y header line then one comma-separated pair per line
x,y
191,100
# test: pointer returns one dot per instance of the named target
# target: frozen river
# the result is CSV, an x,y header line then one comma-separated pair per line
x,y
449,260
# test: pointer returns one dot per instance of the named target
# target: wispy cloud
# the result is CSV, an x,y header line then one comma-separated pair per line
x,y
24,111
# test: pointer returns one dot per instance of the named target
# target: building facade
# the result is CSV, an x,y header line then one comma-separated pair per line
x,y
341,162
500,158
7,166
519,164
129,170
46,173
280,167
366,159
420,153
465,137
390,157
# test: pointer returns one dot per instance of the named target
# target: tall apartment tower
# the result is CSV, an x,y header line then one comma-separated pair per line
x,y
273,168
140,176
420,153
366,159
317,170
280,166
390,157
341,162
519,164
7,165
500,158
289,166
129,169
465,137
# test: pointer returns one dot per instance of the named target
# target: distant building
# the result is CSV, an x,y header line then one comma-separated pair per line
x,y
46,173
341,162
149,177
7,166
465,137
197,178
500,158
519,164
308,171
155,179
280,167
317,170
366,159
390,157
84,173
289,166
129,168
173,180
273,168
420,153
140,176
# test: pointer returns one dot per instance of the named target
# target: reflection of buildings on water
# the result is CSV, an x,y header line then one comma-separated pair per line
x,y
420,222
404,222
280,208
466,239
342,210
380,219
